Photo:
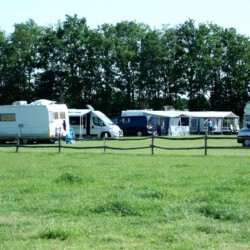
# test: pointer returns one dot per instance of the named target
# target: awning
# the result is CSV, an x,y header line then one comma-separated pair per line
x,y
213,114
78,112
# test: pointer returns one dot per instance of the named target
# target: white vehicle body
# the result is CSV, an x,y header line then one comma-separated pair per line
x,y
93,123
244,133
246,120
38,120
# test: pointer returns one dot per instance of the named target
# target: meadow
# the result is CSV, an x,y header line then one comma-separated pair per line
x,y
125,199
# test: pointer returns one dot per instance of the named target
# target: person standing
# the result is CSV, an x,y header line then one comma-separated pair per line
x,y
210,126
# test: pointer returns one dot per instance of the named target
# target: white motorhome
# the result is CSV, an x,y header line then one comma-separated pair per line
x,y
39,120
93,123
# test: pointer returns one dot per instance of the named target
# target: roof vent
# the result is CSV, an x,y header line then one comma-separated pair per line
x,y
19,103
168,108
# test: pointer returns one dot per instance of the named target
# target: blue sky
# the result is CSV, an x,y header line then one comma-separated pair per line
x,y
225,13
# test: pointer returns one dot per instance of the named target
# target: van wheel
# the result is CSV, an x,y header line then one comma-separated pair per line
x,y
103,135
139,133
246,143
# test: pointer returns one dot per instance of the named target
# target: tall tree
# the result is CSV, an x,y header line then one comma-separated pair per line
x,y
129,39
152,59
235,68
171,69
21,62
63,60
228,69
192,53
3,43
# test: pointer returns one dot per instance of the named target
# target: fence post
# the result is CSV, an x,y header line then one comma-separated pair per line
x,y
59,143
152,144
205,143
17,142
104,142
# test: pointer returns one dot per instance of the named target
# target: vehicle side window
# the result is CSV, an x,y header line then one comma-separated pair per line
x,y
74,120
98,122
8,117
62,115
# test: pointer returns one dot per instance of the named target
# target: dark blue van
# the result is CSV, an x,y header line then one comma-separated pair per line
x,y
133,125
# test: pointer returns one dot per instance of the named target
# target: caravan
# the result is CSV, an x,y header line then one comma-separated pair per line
x,y
176,122
39,120
163,122
92,123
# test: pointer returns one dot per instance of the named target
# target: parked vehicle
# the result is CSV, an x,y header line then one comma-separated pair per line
x,y
92,123
246,118
176,122
244,133
39,120
134,125
244,136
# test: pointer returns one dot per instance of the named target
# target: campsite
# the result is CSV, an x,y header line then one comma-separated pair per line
x,y
125,199
144,192
71,178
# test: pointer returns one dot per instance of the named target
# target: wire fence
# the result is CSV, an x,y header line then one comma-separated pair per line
x,y
153,143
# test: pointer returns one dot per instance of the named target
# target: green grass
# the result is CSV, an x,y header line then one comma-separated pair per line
x,y
88,199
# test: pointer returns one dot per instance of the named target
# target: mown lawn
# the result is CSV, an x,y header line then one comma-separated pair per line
x,y
88,199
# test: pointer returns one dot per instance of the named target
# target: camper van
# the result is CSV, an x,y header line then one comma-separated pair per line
x,y
39,120
134,125
92,123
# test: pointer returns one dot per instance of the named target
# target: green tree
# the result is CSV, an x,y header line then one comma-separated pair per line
x,y
102,61
129,39
63,62
126,66
3,43
171,69
227,69
152,59
235,68
20,62
192,53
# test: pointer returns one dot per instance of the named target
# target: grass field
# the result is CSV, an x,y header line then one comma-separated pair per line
x,y
88,199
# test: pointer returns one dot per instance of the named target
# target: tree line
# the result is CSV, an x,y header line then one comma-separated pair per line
x,y
124,66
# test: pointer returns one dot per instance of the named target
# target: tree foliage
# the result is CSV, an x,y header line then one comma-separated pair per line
x,y
126,66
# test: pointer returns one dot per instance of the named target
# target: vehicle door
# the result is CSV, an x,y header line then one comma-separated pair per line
x,y
97,126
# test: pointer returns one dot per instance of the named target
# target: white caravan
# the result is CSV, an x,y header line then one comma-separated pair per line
x,y
92,123
39,120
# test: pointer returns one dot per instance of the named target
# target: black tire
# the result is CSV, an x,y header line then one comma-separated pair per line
x,y
246,143
139,133
103,135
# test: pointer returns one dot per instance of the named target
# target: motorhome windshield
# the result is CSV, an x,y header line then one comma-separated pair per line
x,y
106,120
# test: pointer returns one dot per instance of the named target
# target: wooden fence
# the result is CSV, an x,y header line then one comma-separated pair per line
x,y
152,145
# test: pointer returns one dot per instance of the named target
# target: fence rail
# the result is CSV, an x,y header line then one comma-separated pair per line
x,y
152,145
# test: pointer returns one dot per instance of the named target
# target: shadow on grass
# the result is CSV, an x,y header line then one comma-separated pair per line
x,y
121,208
